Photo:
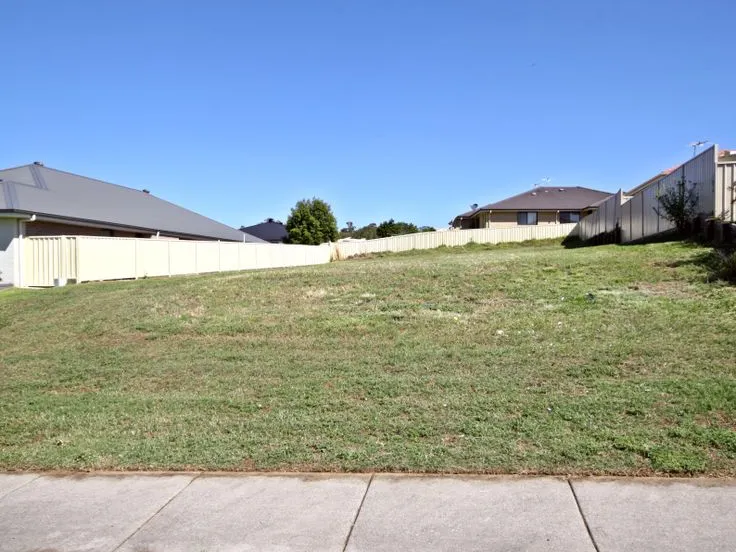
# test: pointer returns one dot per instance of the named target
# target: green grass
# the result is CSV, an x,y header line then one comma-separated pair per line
x,y
606,360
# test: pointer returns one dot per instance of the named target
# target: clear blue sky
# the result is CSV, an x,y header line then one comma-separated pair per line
x,y
411,109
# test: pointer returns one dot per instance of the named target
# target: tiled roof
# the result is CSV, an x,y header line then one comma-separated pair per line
x,y
542,198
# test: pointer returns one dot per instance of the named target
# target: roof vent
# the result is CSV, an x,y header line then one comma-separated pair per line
x,y
146,191
38,163
534,193
560,189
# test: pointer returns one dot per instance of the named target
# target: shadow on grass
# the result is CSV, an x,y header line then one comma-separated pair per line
x,y
719,264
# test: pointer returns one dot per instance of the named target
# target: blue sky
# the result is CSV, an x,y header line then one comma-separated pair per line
x,y
411,109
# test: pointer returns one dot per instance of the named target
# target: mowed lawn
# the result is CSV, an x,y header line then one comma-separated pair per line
x,y
605,360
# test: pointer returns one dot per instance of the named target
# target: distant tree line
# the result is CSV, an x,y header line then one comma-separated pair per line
x,y
312,222
384,230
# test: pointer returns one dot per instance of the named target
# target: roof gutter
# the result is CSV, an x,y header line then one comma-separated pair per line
x,y
29,217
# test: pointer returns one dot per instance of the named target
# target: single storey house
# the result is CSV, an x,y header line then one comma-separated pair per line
x,y
39,201
540,205
270,230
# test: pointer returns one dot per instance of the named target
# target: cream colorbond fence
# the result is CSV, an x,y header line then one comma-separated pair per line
x,y
726,191
605,219
450,238
45,259
86,258
639,218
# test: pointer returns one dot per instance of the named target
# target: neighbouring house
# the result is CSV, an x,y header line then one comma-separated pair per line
x,y
540,205
40,201
270,230
655,178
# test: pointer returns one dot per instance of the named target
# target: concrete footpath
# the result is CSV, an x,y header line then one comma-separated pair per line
x,y
198,512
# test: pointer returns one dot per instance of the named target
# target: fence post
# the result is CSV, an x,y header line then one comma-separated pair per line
x,y
62,257
659,191
77,261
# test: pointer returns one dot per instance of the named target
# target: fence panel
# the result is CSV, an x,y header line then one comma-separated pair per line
x,y
726,192
208,257
106,258
626,222
183,257
229,254
48,258
605,219
153,258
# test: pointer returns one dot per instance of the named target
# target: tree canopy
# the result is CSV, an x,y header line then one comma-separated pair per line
x,y
311,222
392,228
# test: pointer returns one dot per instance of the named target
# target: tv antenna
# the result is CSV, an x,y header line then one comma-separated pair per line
x,y
543,182
696,145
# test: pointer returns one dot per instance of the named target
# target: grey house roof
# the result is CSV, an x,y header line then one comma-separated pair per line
x,y
549,198
39,190
271,231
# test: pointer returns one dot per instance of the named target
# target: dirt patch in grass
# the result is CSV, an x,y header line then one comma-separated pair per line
x,y
674,289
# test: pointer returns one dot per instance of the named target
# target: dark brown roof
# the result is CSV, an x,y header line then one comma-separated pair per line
x,y
552,198
468,214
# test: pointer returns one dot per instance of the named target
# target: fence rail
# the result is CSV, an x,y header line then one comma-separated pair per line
x,y
450,238
87,258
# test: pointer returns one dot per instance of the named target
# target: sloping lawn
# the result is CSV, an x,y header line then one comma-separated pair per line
x,y
607,360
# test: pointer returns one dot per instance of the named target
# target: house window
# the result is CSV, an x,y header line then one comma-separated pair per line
x,y
569,216
526,217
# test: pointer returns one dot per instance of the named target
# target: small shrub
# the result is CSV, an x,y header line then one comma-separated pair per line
x,y
725,268
678,205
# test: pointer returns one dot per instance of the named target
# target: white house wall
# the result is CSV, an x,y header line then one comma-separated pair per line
x,y
9,244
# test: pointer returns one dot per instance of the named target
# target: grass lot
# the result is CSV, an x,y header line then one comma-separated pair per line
x,y
608,360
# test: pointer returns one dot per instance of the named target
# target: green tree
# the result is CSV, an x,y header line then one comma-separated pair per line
x,y
311,222
427,229
679,205
348,231
367,232
392,228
